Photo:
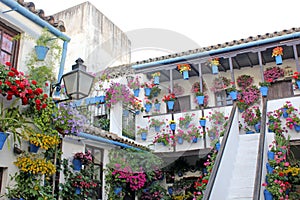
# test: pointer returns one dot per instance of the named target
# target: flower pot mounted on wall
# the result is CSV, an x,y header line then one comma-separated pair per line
x,y
278,60
41,52
3,137
215,69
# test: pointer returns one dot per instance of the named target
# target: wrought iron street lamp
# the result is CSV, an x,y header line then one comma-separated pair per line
x,y
77,83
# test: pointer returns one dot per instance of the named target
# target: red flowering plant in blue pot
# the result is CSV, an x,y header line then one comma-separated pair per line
x,y
15,83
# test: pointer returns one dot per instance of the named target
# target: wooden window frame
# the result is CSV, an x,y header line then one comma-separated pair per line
x,y
5,29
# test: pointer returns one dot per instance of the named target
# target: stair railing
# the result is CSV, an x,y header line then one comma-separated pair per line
x,y
216,166
261,150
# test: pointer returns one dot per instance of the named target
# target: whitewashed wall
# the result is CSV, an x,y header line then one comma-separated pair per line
x,y
95,38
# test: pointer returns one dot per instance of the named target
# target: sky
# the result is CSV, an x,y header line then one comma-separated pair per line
x,y
199,23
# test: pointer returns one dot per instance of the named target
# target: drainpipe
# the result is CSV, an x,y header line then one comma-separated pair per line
x,y
218,51
101,139
14,5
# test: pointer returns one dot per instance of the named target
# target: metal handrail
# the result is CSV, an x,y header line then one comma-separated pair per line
x,y
260,156
216,166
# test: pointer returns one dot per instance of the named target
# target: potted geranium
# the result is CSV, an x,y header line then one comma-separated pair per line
x,y
135,85
157,105
164,138
137,105
277,53
252,117
143,131
180,136
148,105
155,123
80,159
244,81
296,77
118,92
147,88
273,73
214,63
169,100
264,87
155,77
185,121
232,91
193,133
201,98
220,83
287,109
184,69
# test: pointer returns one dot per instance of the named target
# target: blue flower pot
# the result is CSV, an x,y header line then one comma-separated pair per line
x,y
271,155
268,195
278,60
136,92
77,164
180,140
264,91
3,137
257,127
33,148
157,128
101,99
215,69
157,106
200,100
156,80
125,113
170,190
173,127
233,95
185,75
194,140
297,128
137,112
250,132
148,107
170,105
284,113
147,91
202,122
298,84
218,145
41,52
77,190
269,168
117,190
144,136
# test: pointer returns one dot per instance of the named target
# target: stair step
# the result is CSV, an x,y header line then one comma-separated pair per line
x,y
242,180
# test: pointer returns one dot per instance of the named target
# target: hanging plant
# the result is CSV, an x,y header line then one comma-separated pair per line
x,y
118,92
273,73
244,81
220,83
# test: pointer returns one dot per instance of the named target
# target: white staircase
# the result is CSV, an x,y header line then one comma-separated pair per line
x,y
241,184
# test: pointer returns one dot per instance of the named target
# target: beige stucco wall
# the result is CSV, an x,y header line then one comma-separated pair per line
x,y
94,38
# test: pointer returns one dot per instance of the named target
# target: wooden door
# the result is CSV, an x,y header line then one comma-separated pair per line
x,y
280,89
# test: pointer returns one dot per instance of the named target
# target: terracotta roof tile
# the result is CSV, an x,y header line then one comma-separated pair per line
x,y
111,136
223,45
50,19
